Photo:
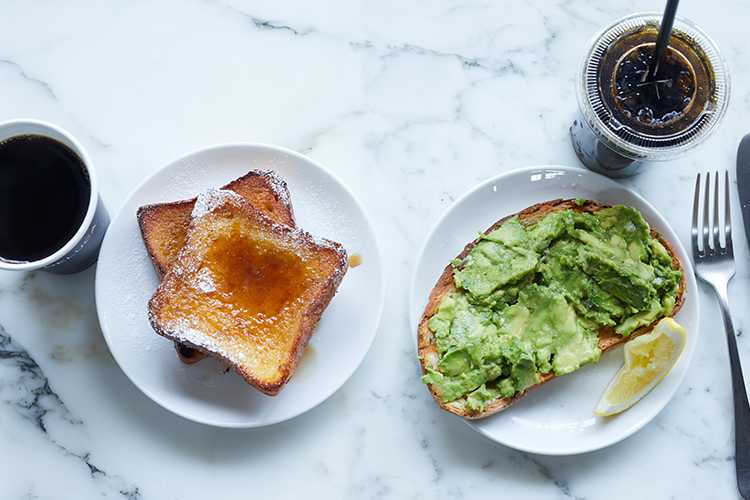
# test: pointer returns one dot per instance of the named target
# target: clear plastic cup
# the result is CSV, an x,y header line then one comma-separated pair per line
x,y
617,147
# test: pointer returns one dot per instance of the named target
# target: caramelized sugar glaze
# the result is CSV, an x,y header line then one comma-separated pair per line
x,y
254,277
245,291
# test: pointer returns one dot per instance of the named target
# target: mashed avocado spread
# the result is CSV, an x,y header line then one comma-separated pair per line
x,y
531,298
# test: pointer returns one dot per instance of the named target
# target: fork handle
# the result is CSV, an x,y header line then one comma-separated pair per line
x,y
741,406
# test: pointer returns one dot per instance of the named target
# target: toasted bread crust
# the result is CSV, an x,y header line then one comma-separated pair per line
x,y
164,225
608,339
313,309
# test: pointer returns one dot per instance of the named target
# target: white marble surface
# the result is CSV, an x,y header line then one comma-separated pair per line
x,y
410,103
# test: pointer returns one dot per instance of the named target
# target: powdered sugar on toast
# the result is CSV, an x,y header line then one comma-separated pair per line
x,y
299,238
183,331
278,186
210,200
204,280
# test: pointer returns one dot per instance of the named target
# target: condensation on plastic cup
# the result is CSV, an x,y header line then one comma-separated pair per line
x,y
605,145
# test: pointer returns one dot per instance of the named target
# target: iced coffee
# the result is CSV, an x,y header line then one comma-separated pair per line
x,y
629,115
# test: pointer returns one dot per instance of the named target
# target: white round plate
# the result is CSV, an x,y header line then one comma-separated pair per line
x,y
205,392
557,418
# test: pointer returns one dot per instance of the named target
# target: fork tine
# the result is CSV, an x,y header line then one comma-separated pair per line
x,y
727,216
696,207
715,225
707,240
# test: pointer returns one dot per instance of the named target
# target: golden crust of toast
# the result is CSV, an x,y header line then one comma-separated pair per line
x,y
428,355
247,290
164,225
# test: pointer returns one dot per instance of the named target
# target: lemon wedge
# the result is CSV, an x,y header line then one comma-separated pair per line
x,y
648,359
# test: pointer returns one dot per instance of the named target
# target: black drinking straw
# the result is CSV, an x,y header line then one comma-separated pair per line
x,y
662,41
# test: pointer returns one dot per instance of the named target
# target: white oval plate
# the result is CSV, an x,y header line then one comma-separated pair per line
x,y
203,392
557,418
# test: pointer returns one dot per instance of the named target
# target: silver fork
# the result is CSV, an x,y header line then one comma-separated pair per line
x,y
714,264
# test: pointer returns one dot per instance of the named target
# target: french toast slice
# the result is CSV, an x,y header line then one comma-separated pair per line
x,y
247,289
164,225
607,337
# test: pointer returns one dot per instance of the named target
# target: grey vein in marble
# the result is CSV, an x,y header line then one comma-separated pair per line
x,y
547,473
20,71
49,91
265,24
391,49
29,394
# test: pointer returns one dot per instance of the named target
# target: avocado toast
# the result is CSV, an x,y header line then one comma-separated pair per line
x,y
538,295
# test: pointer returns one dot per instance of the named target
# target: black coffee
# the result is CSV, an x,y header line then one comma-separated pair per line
x,y
44,196
668,104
